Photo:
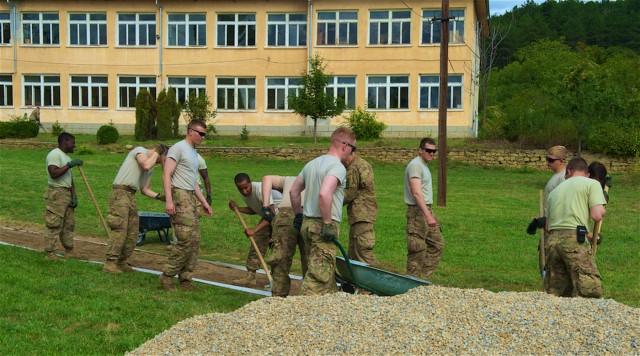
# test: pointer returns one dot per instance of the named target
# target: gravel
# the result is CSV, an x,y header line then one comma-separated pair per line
x,y
425,320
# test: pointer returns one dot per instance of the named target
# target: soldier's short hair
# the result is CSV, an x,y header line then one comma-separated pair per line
x,y
577,164
241,177
558,152
427,141
65,136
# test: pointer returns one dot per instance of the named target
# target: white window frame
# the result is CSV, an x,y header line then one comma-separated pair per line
x,y
6,90
430,31
84,87
139,82
388,92
246,21
344,87
47,23
287,31
341,24
43,89
185,86
236,93
429,85
86,27
280,88
5,28
138,25
188,32
396,23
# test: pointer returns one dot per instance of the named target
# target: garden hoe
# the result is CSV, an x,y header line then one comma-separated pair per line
x,y
255,247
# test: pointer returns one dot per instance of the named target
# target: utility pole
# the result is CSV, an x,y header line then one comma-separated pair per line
x,y
442,104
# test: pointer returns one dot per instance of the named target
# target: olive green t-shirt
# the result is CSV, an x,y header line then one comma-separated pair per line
x,y
186,172
418,169
569,202
59,159
131,173
553,182
254,200
312,175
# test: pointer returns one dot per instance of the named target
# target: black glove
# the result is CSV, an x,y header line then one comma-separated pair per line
x,y
267,214
75,162
208,199
74,202
161,197
329,232
297,222
536,223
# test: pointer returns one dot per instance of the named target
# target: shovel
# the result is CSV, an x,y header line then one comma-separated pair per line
x,y
255,247
95,203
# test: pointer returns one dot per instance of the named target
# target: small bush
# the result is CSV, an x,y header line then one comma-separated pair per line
x,y
18,127
611,139
365,125
56,129
244,135
84,150
107,134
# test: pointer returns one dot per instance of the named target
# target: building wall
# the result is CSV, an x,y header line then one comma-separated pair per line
x,y
260,62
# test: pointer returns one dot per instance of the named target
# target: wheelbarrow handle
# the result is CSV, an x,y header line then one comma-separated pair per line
x,y
346,258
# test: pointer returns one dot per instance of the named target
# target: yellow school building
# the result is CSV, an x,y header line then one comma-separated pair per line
x,y
83,62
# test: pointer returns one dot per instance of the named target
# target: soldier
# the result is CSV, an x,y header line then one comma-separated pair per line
x,y
252,195
571,270
323,180
425,244
60,198
179,174
556,161
284,236
135,173
203,178
362,209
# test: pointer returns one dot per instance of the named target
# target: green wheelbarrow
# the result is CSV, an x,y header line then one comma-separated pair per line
x,y
354,275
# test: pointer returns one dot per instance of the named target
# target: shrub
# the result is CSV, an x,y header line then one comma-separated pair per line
x,y
56,129
364,124
19,127
164,119
107,134
145,116
612,139
84,150
199,108
244,134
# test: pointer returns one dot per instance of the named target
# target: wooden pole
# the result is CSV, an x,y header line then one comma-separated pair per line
x,y
442,104
255,247
95,203
596,231
542,255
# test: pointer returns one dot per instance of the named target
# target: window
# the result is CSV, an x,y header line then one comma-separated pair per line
x,y
430,91
345,88
41,90
5,28
40,28
136,29
236,30
431,30
388,92
278,90
287,30
187,30
236,93
186,86
88,29
89,91
128,88
6,90
337,28
390,27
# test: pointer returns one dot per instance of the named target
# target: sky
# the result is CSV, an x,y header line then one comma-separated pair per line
x,y
499,7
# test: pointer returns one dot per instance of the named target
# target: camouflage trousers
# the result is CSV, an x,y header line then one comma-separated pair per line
x,y
321,256
284,241
123,220
262,239
362,239
186,226
571,270
425,245
59,218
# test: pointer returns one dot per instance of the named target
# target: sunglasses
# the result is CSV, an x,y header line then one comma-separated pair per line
x,y
353,148
430,151
551,160
202,134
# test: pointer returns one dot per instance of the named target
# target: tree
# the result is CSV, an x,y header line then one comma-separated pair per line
x,y
198,107
165,119
312,99
145,116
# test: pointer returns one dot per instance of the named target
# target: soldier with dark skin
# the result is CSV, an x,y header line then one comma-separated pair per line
x,y
362,209
571,270
60,198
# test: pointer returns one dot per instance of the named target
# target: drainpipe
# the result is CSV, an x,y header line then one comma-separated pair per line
x,y
159,39
310,31
14,35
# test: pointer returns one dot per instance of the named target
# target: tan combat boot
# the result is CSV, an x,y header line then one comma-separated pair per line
x,y
111,267
187,285
73,253
124,267
249,280
52,256
167,282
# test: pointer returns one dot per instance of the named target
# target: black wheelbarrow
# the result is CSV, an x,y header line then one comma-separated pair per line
x,y
354,275
159,222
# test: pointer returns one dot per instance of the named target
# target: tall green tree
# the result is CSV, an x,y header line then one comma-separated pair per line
x,y
145,116
165,115
312,100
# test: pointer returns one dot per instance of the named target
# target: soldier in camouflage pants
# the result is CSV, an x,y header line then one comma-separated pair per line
x,y
362,209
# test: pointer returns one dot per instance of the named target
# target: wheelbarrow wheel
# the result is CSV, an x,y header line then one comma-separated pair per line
x,y
141,236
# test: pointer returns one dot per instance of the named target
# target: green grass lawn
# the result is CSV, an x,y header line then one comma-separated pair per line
x,y
74,308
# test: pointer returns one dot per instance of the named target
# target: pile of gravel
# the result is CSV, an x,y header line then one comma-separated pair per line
x,y
424,320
